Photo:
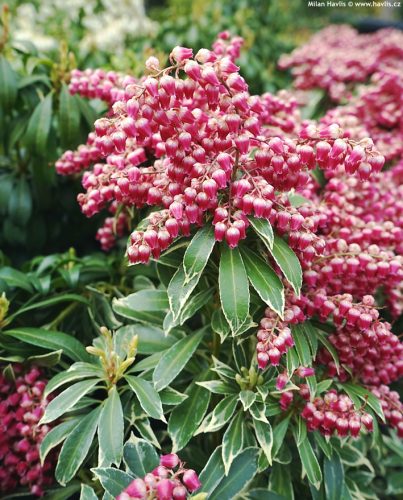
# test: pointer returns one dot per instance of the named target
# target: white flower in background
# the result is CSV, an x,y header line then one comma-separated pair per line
x,y
105,25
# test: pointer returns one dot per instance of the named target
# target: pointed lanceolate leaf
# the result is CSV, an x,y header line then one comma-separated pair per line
x,y
198,252
67,399
147,306
220,325
264,230
111,429
140,456
55,436
221,414
50,340
8,84
87,493
243,470
264,280
114,481
310,463
247,399
69,118
20,202
76,447
179,290
37,134
333,477
213,472
148,397
233,440
264,435
234,288
174,360
288,263
186,417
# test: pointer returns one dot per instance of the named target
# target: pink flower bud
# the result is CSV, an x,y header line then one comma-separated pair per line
x,y
180,54
171,460
191,480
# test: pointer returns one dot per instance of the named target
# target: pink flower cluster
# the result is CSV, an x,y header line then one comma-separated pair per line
x,y
22,405
169,481
202,146
375,111
336,413
338,57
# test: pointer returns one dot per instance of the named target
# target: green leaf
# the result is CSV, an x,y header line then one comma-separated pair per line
x,y
174,360
264,435
300,431
247,399
50,340
69,118
263,494
279,433
187,416
329,347
280,481
234,288
179,290
39,126
148,397
219,387
301,345
219,324
323,444
172,397
65,297
48,360
333,472
16,279
55,436
242,471
140,456
288,263
87,493
213,472
76,447
221,414
64,401
263,229
264,280
111,429
20,203
310,463
114,481
198,252
6,190
147,306
8,84
233,441
75,372
394,483
151,339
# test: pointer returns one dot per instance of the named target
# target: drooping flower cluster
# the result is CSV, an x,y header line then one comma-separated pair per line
x,y
169,481
335,413
375,111
185,146
22,405
338,57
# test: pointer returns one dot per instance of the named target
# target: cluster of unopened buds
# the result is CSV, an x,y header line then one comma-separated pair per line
x,y
275,337
335,413
338,57
201,147
22,405
169,481
391,405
